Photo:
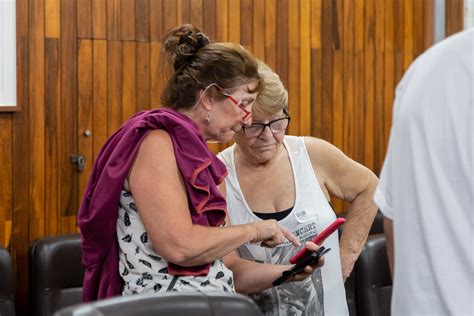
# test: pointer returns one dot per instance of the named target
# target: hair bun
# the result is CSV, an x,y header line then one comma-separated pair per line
x,y
182,42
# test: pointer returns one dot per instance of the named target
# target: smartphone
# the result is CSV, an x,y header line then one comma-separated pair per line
x,y
318,240
311,259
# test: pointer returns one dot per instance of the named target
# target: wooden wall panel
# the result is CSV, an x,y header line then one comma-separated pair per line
x,y
69,195
87,65
99,91
128,28
36,118
52,136
99,19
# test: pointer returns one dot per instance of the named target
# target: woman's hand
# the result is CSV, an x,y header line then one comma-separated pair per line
x,y
308,270
270,234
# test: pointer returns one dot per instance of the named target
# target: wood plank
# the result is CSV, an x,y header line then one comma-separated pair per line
x,y
186,11
359,81
196,9
294,64
408,49
129,79
428,23
316,66
36,117
179,11
20,181
142,21
209,18
157,75
6,155
270,33
348,57
84,110
222,21
246,17
170,15
143,72
114,86
369,76
327,69
20,173
114,19
258,41
52,21
99,67
52,121
84,19
398,10
305,67
68,128
99,19
283,40
156,18
128,29
454,16
418,37
378,135
389,68
22,18
234,21
338,74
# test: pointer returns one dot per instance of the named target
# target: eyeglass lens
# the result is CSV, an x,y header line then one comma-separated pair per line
x,y
276,126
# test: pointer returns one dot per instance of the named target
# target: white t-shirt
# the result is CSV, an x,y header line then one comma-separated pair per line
x,y
426,185
323,293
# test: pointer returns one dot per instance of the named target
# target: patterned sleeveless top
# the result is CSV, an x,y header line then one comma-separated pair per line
x,y
145,271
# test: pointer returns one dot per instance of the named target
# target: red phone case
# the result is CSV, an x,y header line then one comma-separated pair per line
x,y
319,239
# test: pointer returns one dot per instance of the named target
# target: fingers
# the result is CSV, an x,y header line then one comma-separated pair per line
x,y
311,246
289,235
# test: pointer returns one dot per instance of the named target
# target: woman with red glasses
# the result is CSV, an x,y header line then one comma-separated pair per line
x,y
290,179
152,218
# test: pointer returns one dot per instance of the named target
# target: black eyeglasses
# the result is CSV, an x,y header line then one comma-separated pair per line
x,y
277,126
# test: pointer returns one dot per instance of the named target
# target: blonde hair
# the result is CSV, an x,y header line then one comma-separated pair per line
x,y
273,97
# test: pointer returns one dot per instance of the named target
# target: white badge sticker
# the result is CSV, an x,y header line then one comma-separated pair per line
x,y
306,215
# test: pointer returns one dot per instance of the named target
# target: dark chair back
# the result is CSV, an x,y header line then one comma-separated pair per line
x,y
56,273
168,304
7,290
374,283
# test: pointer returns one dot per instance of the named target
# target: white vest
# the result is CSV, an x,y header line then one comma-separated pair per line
x,y
311,214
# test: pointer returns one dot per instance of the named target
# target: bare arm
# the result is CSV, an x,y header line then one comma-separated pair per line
x,y
388,228
253,277
159,192
353,183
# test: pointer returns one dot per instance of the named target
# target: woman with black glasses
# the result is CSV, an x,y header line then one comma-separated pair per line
x,y
290,179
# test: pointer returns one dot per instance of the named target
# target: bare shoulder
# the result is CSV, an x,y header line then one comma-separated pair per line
x,y
155,156
321,151
156,139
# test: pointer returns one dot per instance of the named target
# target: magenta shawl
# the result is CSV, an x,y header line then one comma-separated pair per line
x,y
97,217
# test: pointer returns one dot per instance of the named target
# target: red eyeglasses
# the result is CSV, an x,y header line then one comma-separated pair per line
x,y
233,100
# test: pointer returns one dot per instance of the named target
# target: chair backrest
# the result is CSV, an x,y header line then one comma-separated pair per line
x,y
56,273
350,294
377,225
168,304
374,283
7,290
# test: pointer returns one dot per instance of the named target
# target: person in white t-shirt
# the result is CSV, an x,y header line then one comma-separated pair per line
x,y
290,179
426,184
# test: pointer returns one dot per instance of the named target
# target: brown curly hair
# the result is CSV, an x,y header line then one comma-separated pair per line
x,y
197,63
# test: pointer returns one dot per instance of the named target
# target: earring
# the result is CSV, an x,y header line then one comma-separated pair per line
x,y
208,118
